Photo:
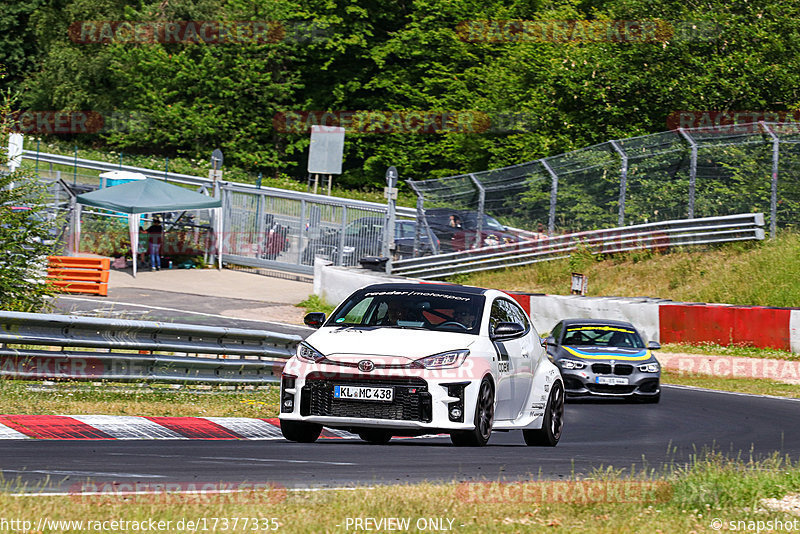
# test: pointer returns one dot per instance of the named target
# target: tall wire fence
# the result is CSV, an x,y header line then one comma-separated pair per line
x,y
684,173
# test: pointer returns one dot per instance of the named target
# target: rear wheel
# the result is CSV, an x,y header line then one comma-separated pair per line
x,y
550,433
300,432
484,420
376,437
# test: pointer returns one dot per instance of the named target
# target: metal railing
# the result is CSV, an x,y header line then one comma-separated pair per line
x,y
660,235
267,227
93,349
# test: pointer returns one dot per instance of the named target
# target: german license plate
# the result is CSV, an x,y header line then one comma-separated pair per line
x,y
363,393
611,380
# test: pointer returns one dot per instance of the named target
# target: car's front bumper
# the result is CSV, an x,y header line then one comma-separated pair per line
x,y
587,382
423,400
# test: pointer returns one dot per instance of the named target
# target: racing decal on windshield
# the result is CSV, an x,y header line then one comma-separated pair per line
x,y
606,354
426,294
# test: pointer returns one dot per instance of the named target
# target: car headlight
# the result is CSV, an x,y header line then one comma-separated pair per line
x,y
307,353
649,367
444,360
571,364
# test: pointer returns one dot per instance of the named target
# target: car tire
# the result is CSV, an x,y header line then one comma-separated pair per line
x,y
648,399
484,419
300,432
375,437
550,433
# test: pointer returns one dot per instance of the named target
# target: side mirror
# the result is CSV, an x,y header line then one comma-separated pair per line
x,y
507,331
314,319
654,345
548,341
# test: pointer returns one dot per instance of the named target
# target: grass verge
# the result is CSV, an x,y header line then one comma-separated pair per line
x,y
681,499
753,386
315,304
67,398
739,351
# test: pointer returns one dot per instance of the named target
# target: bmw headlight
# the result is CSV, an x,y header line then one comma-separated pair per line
x,y
307,353
571,364
649,367
444,360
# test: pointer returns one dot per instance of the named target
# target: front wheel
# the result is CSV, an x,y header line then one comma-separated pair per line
x,y
550,433
484,420
300,432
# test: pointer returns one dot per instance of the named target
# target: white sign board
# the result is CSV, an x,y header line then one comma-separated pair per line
x,y
14,151
326,150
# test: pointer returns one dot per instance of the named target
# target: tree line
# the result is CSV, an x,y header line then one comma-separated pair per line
x,y
433,87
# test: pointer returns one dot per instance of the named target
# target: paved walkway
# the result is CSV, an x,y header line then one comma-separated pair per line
x,y
170,292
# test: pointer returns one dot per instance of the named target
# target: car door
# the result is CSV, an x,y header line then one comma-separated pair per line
x,y
509,360
524,360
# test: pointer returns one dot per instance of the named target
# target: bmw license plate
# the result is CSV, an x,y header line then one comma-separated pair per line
x,y
363,393
611,380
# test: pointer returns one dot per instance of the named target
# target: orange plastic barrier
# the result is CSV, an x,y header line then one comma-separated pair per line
x,y
80,275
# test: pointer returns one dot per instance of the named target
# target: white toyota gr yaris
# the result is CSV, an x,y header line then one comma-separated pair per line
x,y
412,359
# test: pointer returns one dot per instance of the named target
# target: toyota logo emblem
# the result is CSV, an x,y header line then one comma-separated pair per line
x,y
365,366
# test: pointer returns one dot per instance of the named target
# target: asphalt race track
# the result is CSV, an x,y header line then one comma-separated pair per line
x,y
596,434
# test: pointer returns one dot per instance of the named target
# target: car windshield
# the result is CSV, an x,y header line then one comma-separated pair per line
x,y
602,336
424,309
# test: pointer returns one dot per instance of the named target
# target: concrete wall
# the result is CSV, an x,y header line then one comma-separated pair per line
x,y
657,319
547,310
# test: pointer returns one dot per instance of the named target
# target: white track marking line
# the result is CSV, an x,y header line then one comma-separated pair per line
x,y
695,388
81,473
171,492
273,460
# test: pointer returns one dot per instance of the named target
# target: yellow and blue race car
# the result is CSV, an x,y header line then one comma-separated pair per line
x,y
605,358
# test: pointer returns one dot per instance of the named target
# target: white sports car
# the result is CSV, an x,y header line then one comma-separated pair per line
x,y
412,359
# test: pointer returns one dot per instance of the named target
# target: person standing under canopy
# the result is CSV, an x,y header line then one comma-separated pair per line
x,y
155,234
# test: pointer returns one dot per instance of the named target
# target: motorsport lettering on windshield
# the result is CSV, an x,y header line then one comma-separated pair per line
x,y
416,294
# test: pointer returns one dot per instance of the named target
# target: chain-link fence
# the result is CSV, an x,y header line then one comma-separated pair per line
x,y
685,173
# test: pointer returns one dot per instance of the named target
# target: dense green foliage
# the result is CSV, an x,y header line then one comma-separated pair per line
x,y
25,239
544,97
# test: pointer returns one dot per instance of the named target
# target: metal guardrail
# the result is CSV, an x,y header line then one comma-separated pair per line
x,y
93,349
658,235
